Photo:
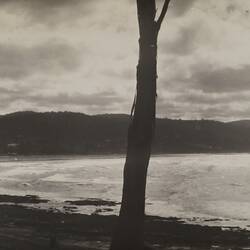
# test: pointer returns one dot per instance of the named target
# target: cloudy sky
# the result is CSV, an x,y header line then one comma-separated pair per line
x,y
80,55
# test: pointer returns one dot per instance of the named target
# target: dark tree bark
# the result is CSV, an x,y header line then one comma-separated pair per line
x,y
129,232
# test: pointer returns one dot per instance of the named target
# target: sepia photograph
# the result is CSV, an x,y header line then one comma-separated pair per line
x,y
125,125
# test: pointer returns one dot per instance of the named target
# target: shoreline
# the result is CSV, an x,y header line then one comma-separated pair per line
x,y
34,229
41,157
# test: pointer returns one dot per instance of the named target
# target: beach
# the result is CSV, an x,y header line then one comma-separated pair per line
x,y
30,229
61,202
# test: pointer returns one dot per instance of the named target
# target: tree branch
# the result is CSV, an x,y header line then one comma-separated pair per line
x,y
162,15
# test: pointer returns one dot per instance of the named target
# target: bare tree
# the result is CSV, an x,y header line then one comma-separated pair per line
x,y
129,232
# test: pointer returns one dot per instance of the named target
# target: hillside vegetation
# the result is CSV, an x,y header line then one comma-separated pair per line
x,y
76,133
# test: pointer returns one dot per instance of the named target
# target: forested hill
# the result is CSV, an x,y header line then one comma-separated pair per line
x,y
76,133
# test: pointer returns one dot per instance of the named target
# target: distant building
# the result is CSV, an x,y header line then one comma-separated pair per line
x,y
12,148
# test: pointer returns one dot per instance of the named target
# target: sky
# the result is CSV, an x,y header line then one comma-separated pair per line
x,y
81,56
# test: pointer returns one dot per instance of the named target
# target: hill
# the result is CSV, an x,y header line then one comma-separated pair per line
x,y
76,133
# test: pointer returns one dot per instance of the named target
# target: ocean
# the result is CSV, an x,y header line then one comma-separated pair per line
x,y
206,189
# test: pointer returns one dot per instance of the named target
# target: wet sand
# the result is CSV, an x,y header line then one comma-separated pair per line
x,y
33,229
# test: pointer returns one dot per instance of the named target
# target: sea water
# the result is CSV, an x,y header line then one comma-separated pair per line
x,y
211,189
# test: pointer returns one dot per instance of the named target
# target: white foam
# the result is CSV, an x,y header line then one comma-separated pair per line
x,y
186,186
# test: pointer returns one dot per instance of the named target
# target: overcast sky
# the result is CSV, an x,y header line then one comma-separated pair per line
x,y
80,55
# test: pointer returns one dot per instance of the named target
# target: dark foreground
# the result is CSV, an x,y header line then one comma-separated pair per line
x,y
26,229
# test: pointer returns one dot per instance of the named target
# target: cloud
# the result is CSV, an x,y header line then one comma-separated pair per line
x,y
200,98
169,109
49,12
98,100
18,62
180,7
10,95
236,6
125,73
202,60
231,8
223,112
184,43
220,80
213,107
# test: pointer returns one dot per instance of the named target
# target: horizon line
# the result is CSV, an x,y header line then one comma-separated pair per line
x,y
102,114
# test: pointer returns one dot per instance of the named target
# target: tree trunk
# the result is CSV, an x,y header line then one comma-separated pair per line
x,y
129,232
